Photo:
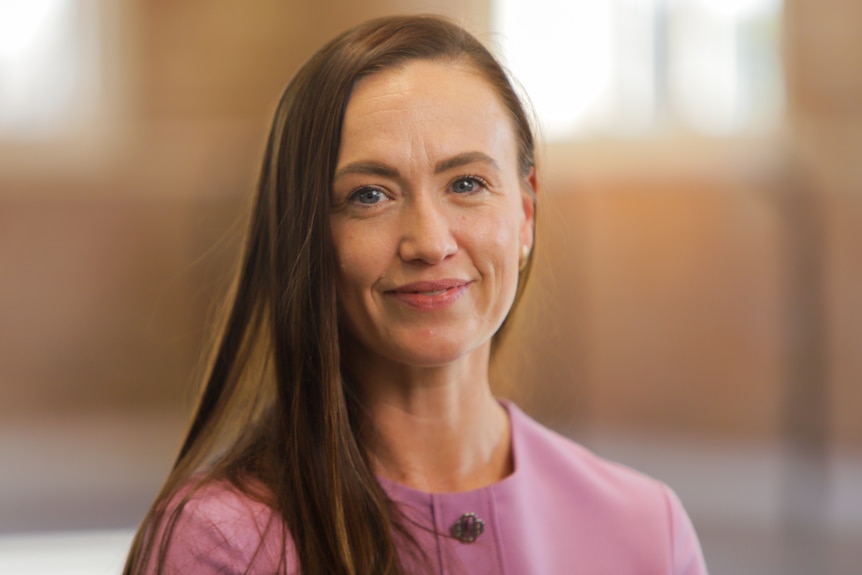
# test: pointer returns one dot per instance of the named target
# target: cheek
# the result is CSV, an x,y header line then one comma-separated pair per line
x,y
348,258
352,284
361,260
352,275
498,240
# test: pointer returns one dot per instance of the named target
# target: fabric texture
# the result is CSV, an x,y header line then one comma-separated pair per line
x,y
563,510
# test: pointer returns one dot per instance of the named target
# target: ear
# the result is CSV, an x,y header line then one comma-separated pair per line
x,y
529,194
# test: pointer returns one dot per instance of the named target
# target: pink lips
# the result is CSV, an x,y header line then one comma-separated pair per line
x,y
430,295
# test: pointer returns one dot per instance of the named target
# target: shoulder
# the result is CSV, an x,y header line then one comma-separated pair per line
x,y
216,528
615,502
542,451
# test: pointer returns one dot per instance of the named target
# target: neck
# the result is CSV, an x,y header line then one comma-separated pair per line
x,y
436,429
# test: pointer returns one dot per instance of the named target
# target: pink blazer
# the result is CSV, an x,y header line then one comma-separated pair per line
x,y
563,510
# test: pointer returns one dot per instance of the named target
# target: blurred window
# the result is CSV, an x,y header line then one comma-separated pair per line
x,y
46,64
635,68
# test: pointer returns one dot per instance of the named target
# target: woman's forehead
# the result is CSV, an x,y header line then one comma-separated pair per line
x,y
426,106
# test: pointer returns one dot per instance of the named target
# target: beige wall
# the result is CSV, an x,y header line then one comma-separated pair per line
x,y
826,103
702,289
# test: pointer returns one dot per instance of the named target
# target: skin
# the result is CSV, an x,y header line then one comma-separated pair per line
x,y
429,217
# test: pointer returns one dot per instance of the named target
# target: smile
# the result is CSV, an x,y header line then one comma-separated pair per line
x,y
430,295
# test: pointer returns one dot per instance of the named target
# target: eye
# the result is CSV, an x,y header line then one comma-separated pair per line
x,y
467,184
367,196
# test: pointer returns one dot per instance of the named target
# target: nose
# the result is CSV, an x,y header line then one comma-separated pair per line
x,y
426,232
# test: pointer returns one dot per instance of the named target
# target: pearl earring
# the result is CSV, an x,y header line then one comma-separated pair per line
x,y
525,256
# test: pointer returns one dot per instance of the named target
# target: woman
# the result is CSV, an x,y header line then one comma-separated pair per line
x,y
347,424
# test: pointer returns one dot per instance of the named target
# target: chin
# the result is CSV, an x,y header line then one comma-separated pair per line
x,y
422,348
438,354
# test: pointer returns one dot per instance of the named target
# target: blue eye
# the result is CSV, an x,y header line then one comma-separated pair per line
x,y
368,196
466,185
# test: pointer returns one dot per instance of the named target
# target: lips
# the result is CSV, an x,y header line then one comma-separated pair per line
x,y
430,295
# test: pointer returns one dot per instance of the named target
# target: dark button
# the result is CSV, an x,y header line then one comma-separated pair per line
x,y
468,528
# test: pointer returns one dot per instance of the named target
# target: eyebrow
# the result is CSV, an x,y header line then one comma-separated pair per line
x,y
366,167
463,160
381,169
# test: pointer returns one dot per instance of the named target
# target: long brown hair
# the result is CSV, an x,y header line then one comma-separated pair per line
x,y
276,417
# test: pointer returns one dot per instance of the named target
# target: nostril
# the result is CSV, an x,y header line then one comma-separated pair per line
x,y
427,236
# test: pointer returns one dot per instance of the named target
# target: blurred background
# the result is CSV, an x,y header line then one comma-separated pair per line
x,y
696,305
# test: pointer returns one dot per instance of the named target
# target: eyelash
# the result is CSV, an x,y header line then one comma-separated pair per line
x,y
483,183
354,195
362,188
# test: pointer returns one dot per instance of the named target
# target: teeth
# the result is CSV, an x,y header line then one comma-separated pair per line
x,y
435,292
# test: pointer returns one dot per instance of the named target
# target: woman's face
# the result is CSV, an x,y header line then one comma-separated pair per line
x,y
429,214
